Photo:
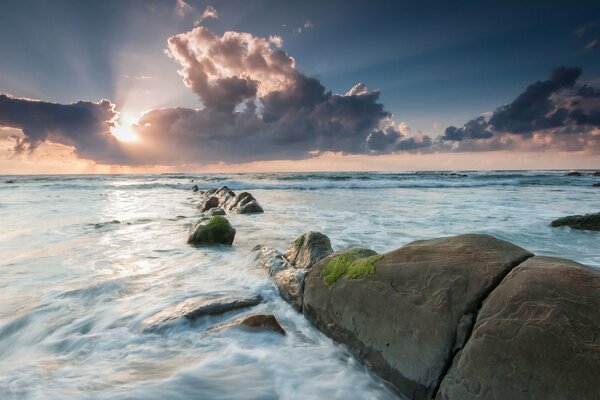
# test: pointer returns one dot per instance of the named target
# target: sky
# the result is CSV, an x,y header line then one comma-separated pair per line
x,y
184,85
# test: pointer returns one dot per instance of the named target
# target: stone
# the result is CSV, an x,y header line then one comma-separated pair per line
x,y
208,203
595,173
590,222
194,308
406,312
537,336
596,184
290,284
213,230
214,211
574,173
195,188
307,249
255,322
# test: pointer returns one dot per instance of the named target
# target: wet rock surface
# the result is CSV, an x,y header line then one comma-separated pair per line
x,y
255,322
226,199
537,336
589,222
212,230
406,318
195,308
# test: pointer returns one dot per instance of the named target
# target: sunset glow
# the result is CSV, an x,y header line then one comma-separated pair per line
x,y
124,129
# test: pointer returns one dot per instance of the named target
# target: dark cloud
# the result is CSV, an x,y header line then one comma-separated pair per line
x,y
555,114
83,125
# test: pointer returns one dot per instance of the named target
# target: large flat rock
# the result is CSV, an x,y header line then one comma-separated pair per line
x,y
407,312
537,336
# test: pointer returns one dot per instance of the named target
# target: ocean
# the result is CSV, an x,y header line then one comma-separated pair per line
x,y
76,288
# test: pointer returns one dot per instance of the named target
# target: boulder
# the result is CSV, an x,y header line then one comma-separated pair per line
x,y
10,181
590,222
213,230
289,270
226,199
195,188
208,203
308,249
255,322
214,211
192,309
596,184
574,173
537,336
408,311
595,173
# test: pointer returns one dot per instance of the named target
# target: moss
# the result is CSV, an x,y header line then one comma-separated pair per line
x,y
348,265
216,230
299,242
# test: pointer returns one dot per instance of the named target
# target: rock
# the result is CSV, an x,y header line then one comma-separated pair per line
x,y
290,284
597,184
407,311
195,188
103,224
271,260
213,230
596,173
208,203
261,322
10,181
537,336
195,308
226,199
574,173
308,249
288,279
214,211
590,222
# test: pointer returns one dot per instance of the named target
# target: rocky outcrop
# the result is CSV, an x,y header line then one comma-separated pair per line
x,y
574,173
254,322
537,336
590,222
211,230
308,249
595,173
195,308
289,270
408,311
226,199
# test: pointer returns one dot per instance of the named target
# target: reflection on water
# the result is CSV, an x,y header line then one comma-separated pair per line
x,y
73,296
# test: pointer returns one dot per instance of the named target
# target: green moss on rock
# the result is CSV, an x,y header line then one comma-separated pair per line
x,y
217,229
299,242
348,265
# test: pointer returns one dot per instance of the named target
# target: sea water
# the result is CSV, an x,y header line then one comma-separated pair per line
x,y
75,288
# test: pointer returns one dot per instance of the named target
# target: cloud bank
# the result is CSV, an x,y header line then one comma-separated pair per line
x,y
254,104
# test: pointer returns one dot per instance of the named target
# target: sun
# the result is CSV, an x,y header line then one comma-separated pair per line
x,y
124,128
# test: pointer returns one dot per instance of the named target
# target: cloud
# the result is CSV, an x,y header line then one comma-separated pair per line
x,y
182,8
555,114
209,13
307,25
593,44
82,125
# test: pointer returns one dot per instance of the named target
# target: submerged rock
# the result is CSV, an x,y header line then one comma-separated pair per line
x,y
597,184
10,181
590,222
103,224
195,308
536,337
255,322
407,311
574,173
226,199
213,230
595,173
307,249
195,188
